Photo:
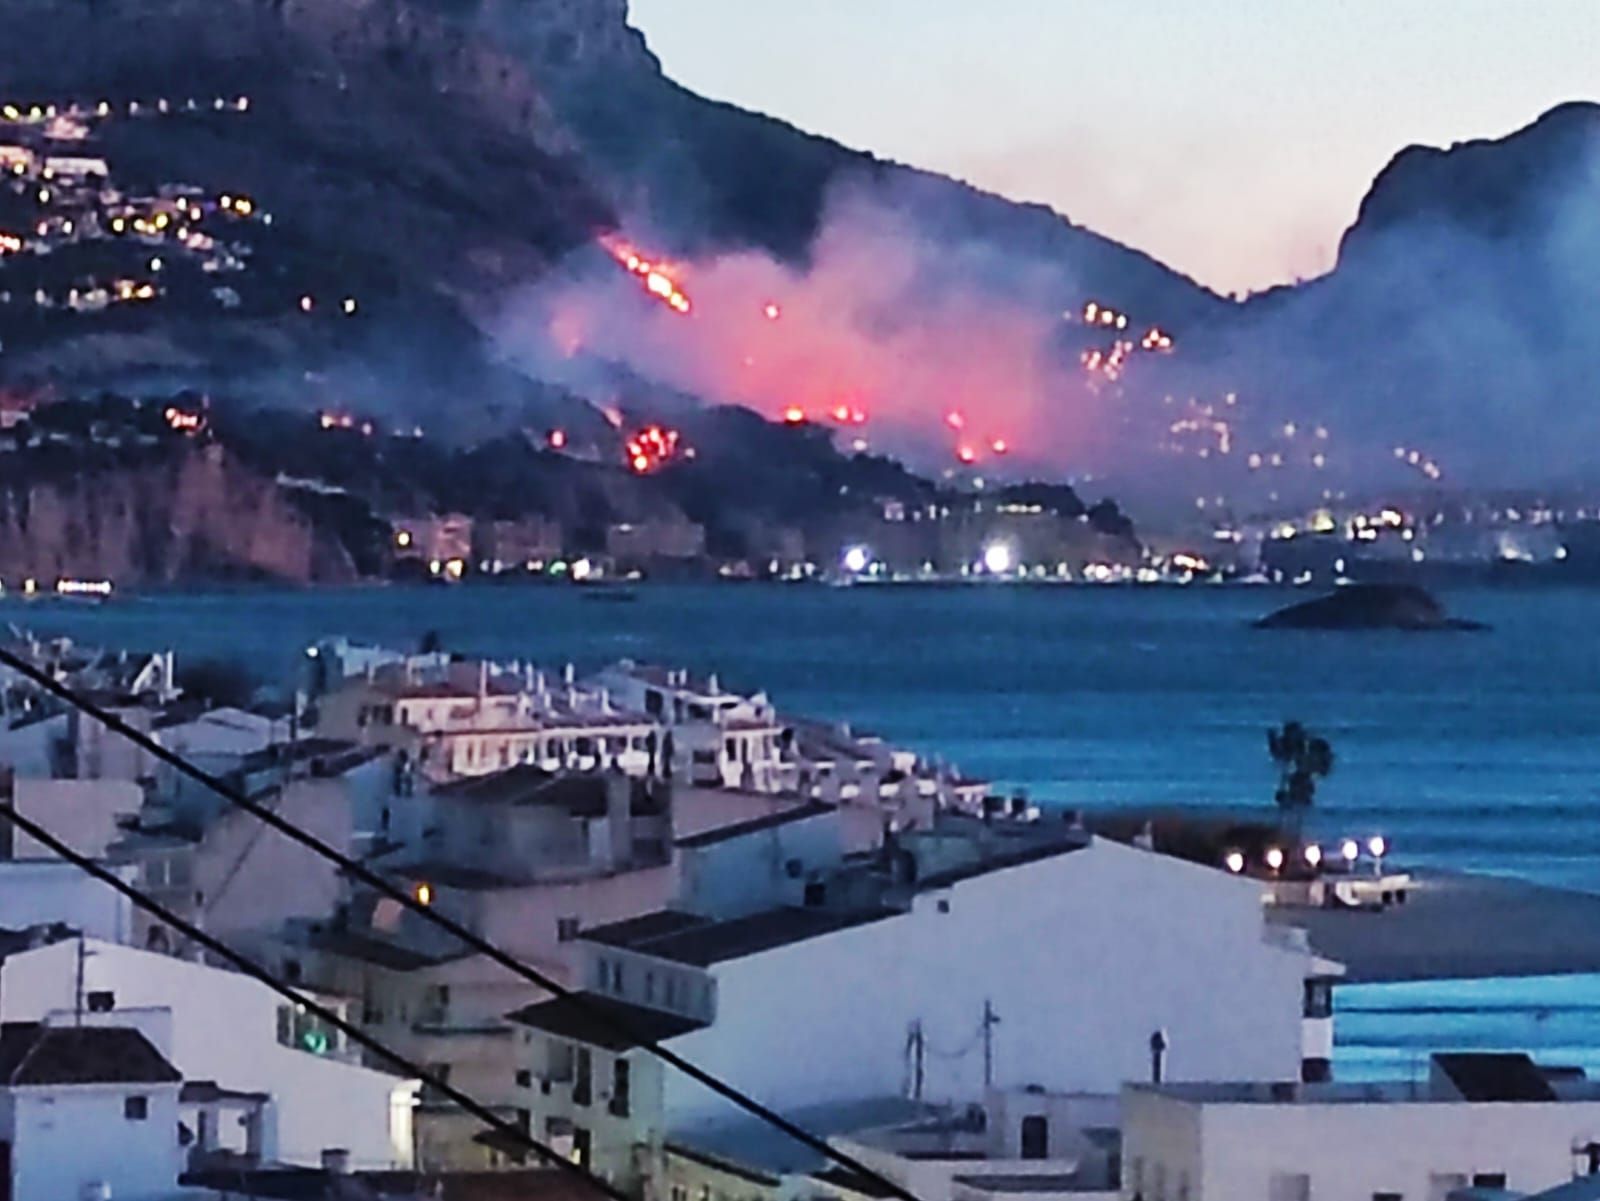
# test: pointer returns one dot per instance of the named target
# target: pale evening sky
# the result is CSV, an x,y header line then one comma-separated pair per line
x,y
1232,139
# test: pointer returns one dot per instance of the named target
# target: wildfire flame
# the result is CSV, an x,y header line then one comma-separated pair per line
x,y
655,277
652,448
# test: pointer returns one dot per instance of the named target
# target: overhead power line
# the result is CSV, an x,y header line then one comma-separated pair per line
x,y
602,1018
349,1029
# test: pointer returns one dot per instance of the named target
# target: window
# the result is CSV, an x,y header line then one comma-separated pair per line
x,y
620,1087
1318,999
580,1146
136,1108
1489,1180
1035,1137
566,929
524,1078
562,1060
650,987
1388,1197
583,1085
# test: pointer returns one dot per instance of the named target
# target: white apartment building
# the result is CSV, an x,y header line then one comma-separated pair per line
x,y
227,1028
470,719
718,738
1490,1122
1021,957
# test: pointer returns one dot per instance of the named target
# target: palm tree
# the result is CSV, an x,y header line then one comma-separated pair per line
x,y
1302,758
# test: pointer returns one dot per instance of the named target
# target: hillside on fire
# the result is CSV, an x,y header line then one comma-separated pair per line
x,y
479,217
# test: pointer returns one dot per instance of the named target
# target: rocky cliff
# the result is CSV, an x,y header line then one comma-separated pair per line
x,y
184,513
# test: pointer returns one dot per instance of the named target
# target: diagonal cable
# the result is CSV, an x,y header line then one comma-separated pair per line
x,y
617,1027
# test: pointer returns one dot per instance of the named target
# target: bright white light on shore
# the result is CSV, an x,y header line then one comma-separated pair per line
x,y
1234,862
1351,850
582,569
997,558
1377,846
1313,855
1275,858
857,559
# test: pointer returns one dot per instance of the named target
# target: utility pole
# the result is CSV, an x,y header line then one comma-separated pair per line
x,y
77,1010
917,1049
991,1019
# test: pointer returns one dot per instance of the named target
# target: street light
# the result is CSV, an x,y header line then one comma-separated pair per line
x,y
1351,850
1275,858
997,558
857,559
1313,855
1234,862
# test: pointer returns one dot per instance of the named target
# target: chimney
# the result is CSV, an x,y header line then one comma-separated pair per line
x,y
1158,1056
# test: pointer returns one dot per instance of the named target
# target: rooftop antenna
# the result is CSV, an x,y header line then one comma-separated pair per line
x,y
991,1019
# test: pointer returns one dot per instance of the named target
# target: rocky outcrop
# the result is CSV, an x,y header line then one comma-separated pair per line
x,y
182,515
1368,607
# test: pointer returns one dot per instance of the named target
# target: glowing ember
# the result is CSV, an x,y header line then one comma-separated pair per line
x,y
773,312
794,415
655,277
967,455
557,439
999,446
651,448
955,420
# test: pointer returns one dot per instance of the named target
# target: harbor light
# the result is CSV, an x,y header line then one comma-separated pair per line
x,y
1234,862
997,558
1313,854
1351,850
857,559
1275,858
1377,846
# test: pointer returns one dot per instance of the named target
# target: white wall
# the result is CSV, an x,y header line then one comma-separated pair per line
x,y
225,1029
82,813
1350,1151
66,1137
38,892
1083,955
749,873
244,869
28,749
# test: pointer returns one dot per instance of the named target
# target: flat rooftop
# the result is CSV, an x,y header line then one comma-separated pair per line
x,y
1456,926
701,942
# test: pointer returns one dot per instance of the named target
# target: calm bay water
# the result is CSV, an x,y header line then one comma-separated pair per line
x,y
1474,751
